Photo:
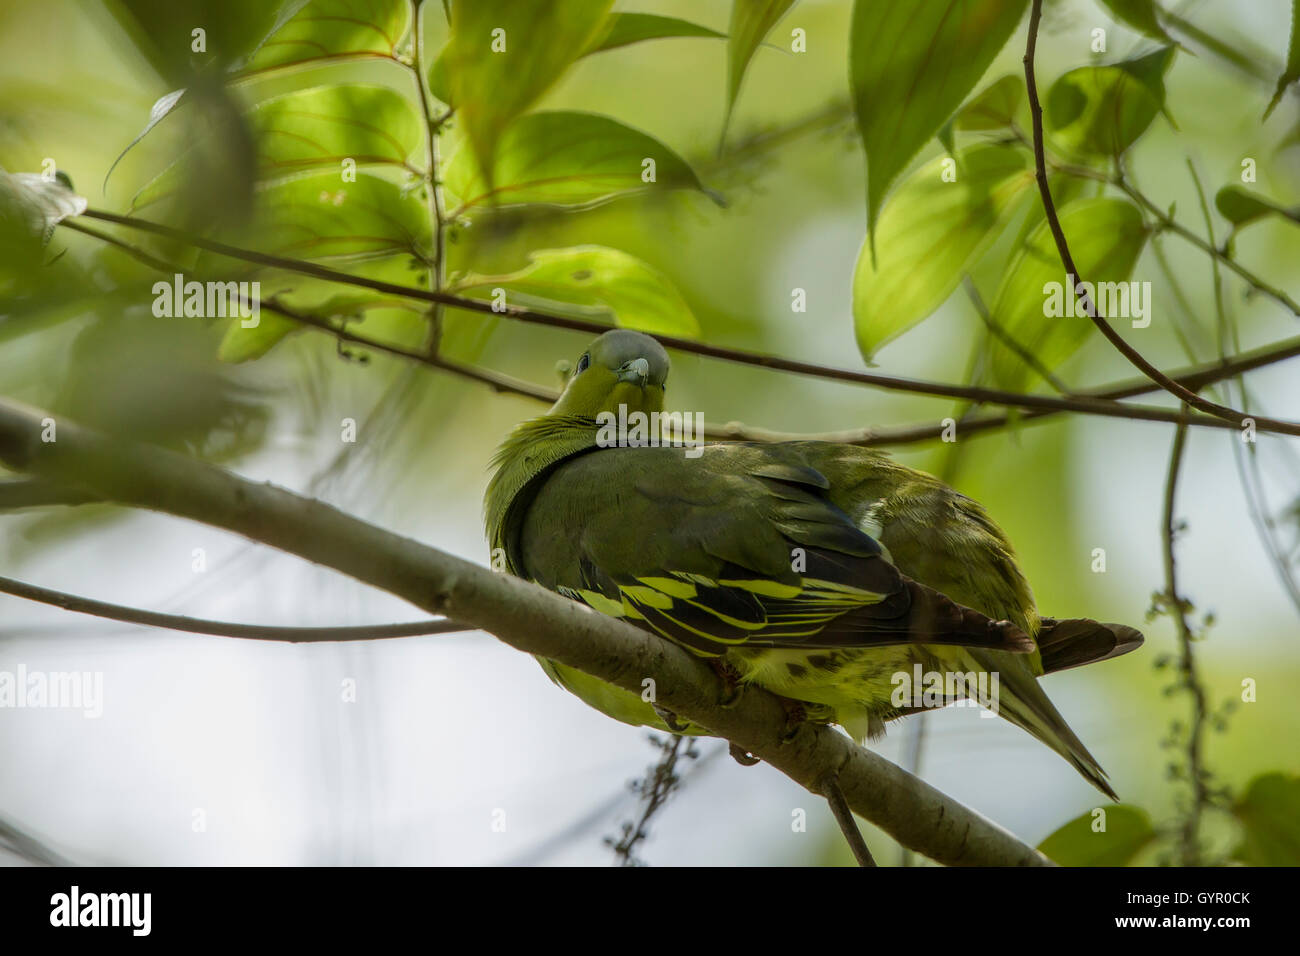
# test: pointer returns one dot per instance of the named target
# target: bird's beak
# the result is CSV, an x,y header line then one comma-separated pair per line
x,y
636,371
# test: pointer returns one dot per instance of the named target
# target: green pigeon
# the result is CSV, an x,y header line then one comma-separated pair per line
x,y
826,573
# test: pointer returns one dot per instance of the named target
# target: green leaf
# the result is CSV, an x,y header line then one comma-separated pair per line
x,y
1100,110
316,216
599,282
1140,15
160,110
751,21
995,107
1240,206
566,158
503,55
1291,73
1269,813
911,63
242,345
928,235
627,28
1128,832
32,205
326,29
325,125
1105,236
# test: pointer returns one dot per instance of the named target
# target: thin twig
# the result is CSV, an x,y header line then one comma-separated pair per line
x,y
253,632
1190,680
1005,337
438,223
655,789
1082,403
1085,300
830,789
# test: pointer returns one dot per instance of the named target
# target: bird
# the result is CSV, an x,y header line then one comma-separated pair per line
x,y
826,573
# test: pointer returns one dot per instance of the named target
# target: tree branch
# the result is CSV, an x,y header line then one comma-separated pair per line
x,y
988,396
522,614
196,625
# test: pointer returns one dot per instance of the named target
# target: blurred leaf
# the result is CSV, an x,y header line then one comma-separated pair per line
x,y
187,399
911,63
751,21
38,204
243,344
1140,15
324,125
567,158
1128,831
600,281
30,208
1100,110
1269,813
163,32
503,55
161,108
1240,206
995,107
317,216
626,28
1105,236
928,234
1150,70
332,28
1291,72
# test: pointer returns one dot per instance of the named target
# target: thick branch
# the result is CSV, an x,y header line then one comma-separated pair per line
x,y
523,615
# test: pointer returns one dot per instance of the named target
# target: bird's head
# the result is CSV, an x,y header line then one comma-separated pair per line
x,y
621,367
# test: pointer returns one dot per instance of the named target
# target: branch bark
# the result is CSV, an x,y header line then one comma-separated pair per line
x,y
521,614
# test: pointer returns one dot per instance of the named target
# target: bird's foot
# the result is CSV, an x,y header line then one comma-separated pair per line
x,y
670,720
796,715
731,681
742,756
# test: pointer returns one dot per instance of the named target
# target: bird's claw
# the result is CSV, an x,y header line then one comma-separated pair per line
x,y
670,720
742,756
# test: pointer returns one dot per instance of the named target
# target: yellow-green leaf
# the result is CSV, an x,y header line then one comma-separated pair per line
x,y
911,62
596,282
928,235
1127,832
325,29
566,158
751,21
1105,236
504,54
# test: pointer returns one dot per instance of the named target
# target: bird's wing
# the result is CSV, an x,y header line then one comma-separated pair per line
x,y
740,546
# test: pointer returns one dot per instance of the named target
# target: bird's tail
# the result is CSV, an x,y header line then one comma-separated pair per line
x,y
1023,702
1073,643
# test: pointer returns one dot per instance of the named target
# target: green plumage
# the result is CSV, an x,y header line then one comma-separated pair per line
x,y
816,570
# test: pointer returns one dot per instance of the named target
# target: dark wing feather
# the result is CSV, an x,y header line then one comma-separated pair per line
x,y
1073,643
738,547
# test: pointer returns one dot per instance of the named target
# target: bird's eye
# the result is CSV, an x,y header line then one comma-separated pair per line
x,y
583,362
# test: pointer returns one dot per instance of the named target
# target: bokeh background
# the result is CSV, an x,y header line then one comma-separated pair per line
x,y
446,730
